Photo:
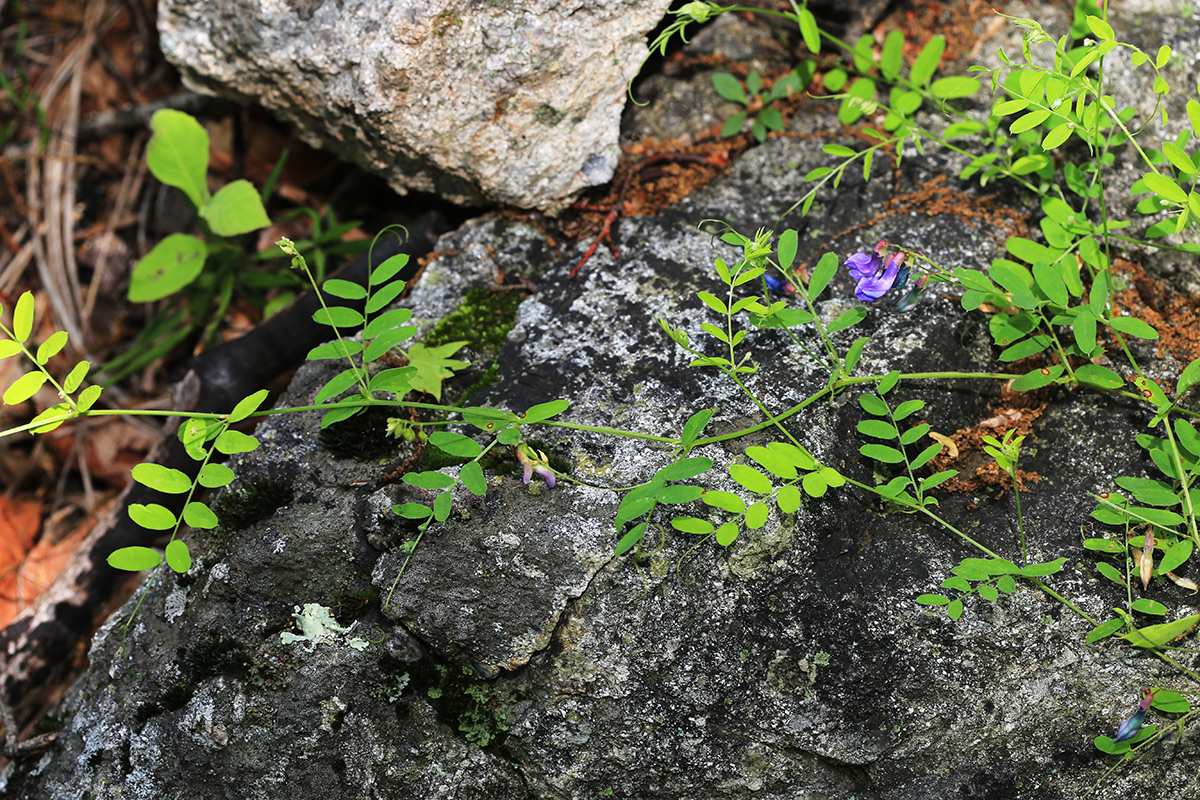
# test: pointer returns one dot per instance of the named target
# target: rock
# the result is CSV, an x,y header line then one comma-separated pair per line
x,y
518,658
496,102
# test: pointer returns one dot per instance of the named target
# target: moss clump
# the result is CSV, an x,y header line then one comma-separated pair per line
x,y
482,321
239,508
476,708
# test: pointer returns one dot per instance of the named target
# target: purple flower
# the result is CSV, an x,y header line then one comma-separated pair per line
x,y
873,287
534,461
1131,726
778,285
863,265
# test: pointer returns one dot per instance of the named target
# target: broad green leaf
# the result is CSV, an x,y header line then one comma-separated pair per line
x,y
724,500
388,269
336,415
1178,158
134,559
1084,329
1170,702
810,32
1104,630
178,557
1057,137
788,499
471,476
442,505
774,461
914,433
336,385
347,290
1099,27
954,88
726,534
544,411
338,316
247,406
684,468
713,302
174,263
630,539
880,452
1097,375
907,408
786,249
397,380
387,321
152,516
233,442
235,209
873,405
955,609
1134,327
1150,492
338,348
1025,348
413,511
693,525
213,476
198,515
431,479
696,423
178,153
679,493
750,478
928,61
162,479
88,397
1029,120
9,348
1039,570
1176,555
821,276
891,58
926,455
1164,187
1154,636
1037,378
24,387
933,600
23,317
455,444
434,365
1144,605
729,87
383,296
385,341
1051,283
877,428
51,347
756,516
989,592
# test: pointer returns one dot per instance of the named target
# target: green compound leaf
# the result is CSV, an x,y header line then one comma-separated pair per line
x,y
726,534
1104,630
694,525
1006,584
178,153
955,609
630,539
234,442
178,557
750,478
914,433
162,479
544,411
431,479
727,501
24,387
933,599
455,444
471,476
338,348
956,582
152,516
776,461
907,408
788,499
213,476
413,511
134,559
235,209
1047,568
387,321
989,592
954,88
338,316
174,263
384,295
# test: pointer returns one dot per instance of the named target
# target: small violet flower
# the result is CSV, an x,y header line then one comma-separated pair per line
x,y
1131,726
878,272
535,461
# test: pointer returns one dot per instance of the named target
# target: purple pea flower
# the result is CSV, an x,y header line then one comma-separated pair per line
x,y
873,287
534,461
1131,726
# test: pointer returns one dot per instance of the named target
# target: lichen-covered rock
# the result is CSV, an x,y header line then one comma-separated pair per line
x,y
518,658
518,103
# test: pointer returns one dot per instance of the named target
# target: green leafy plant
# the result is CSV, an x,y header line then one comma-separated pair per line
x,y
759,103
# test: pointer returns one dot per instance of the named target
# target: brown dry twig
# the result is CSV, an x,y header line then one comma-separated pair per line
x,y
611,212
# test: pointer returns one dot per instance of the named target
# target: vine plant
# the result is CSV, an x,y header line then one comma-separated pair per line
x,y
1051,300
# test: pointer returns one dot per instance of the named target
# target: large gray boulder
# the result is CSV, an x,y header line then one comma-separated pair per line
x,y
516,103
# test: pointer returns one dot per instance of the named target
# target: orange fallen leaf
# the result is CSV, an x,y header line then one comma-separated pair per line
x,y
20,521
